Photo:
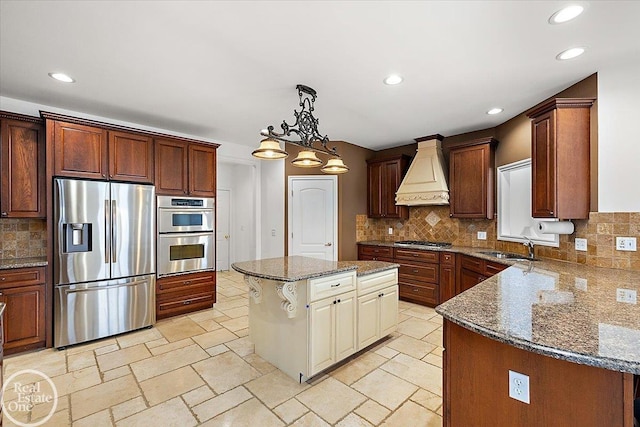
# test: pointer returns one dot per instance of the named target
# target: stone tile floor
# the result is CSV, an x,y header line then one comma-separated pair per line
x,y
200,369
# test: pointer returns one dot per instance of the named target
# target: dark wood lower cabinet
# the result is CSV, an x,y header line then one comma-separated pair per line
x,y
185,293
472,270
476,387
23,292
447,276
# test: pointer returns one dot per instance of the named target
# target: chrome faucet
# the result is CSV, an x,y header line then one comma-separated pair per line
x,y
530,245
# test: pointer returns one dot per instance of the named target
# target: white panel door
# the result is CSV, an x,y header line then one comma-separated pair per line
x,y
345,325
223,237
388,310
321,335
313,217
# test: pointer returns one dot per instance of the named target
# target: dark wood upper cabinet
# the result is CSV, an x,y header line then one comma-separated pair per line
x,y
22,167
184,168
471,179
202,170
80,151
130,157
560,160
383,179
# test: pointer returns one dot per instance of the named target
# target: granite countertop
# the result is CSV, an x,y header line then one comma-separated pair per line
x,y
467,250
368,267
22,262
290,269
559,309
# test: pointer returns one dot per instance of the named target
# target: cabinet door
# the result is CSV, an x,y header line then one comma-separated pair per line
x,y
202,170
368,315
469,182
171,167
130,157
345,324
388,301
468,279
24,315
447,282
79,151
23,170
321,335
375,202
543,166
392,179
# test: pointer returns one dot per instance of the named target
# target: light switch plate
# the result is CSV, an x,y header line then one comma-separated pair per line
x,y
626,244
627,295
519,387
581,244
482,235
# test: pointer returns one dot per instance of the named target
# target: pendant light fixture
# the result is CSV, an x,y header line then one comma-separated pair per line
x,y
306,128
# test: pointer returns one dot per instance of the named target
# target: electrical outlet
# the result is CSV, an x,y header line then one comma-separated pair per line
x,y
627,295
519,387
482,235
581,244
581,283
390,230
626,244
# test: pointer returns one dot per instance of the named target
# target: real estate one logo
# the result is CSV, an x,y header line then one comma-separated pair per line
x,y
29,398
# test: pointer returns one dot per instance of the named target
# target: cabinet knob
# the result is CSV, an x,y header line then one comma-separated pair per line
x,y
4,214
103,175
2,279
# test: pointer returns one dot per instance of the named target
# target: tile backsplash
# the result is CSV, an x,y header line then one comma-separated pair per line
x,y
434,223
22,238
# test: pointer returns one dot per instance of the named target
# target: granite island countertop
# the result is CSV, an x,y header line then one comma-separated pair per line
x,y
12,263
587,315
294,268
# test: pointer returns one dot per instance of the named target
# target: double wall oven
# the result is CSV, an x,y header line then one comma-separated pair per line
x,y
185,235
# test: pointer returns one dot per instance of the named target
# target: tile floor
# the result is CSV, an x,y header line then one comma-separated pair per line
x,y
200,369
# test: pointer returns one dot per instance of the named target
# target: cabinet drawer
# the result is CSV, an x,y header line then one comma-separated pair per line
x,y
372,282
362,257
185,304
376,251
21,277
416,255
447,258
323,287
473,264
426,293
183,282
427,273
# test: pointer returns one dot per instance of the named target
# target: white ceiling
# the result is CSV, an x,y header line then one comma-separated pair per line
x,y
224,70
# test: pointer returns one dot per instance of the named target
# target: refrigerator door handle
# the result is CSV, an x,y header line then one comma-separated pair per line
x,y
101,288
114,230
107,227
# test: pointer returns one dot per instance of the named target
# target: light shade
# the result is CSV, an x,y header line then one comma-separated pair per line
x,y
270,150
335,166
306,159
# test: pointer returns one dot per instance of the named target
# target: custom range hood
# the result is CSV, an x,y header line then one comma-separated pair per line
x,y
425,182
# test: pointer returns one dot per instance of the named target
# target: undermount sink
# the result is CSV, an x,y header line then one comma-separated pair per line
x,y
507,255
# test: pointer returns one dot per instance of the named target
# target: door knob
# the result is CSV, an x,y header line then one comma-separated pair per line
x,y
226,236
328,244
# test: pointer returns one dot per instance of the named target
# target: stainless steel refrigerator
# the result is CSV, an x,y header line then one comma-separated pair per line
x,y
104,259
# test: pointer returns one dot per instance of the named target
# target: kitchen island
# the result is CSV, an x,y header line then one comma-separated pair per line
x,y
572,330
306,314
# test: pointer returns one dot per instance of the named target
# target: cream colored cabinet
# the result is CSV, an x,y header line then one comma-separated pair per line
x,y
377,315
377,306
332,330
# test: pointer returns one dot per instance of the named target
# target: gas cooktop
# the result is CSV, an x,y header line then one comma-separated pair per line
x,y
424,243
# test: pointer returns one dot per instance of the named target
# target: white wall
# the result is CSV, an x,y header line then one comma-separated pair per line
x,y
272,200
619,137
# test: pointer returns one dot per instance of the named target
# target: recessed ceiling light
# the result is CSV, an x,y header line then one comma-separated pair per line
x,y
393,79
566,14
570,53
61,77
495,111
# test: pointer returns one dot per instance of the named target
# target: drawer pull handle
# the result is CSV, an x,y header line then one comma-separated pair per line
x,y
335,286
415,270
338,300
2,279
187,282
186,302
415,255
416,290
376,250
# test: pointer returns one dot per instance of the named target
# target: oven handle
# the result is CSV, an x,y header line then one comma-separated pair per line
x,y
165,234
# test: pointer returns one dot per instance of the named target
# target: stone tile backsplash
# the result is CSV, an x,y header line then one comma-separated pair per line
x,y
22,238
434,223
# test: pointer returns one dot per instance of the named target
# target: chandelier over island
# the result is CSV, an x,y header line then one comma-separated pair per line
x,y
306,128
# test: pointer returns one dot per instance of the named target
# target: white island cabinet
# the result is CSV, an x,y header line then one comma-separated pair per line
x,y
305,315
